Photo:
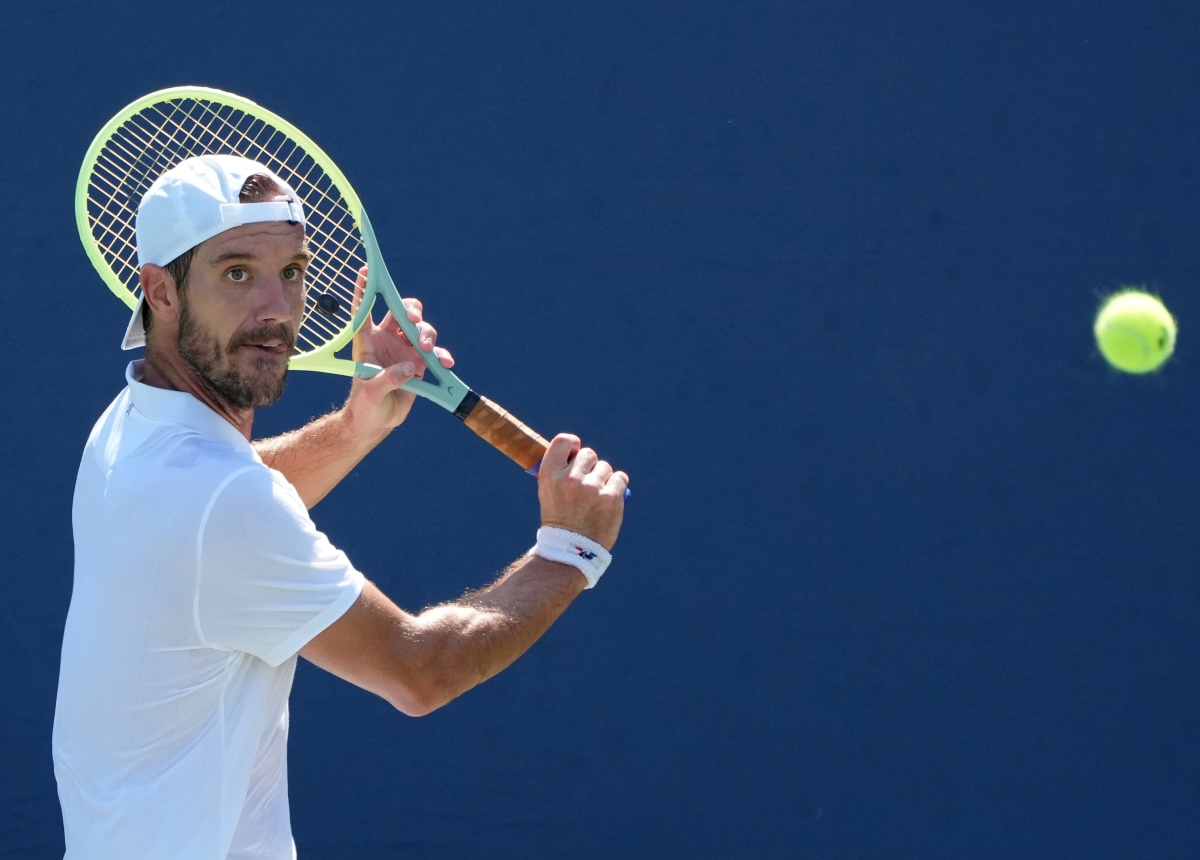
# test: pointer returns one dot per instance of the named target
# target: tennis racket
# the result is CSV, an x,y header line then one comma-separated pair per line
x,y
159,130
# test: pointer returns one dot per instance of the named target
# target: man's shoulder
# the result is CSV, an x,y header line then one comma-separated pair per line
x,y
173,448
171,456
183,460
179,447
254,490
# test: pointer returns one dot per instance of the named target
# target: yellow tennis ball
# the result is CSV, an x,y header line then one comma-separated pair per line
x,y
1135,332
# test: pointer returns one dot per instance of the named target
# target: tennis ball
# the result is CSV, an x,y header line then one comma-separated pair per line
x,y
1135,332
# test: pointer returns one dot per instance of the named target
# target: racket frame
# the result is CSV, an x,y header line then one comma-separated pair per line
x,y
446,389
488,420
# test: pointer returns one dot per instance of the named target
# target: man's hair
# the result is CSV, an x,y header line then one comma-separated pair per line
x,y
257,188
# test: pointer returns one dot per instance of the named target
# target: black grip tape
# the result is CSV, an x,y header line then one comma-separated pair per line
x,y
468,403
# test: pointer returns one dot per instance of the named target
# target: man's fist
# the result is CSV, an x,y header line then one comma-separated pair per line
x,y
580,492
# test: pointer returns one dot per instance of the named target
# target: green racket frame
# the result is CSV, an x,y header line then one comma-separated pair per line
x,y
447,390
487,419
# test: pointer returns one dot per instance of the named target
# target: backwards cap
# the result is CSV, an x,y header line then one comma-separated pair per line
x,y
194,201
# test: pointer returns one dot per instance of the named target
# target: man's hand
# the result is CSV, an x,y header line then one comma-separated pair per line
x,y
316,457
377,405
580,492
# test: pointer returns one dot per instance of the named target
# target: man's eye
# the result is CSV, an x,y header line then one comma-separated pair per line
x,y
238,276
292,273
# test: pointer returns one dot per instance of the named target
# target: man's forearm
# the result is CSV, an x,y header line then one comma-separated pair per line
x,y
318,455
421,662
477,636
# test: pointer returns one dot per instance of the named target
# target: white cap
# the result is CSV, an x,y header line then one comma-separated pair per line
x,y
194,201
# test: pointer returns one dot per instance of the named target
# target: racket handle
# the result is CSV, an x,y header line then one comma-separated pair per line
x,y
505,432
501,429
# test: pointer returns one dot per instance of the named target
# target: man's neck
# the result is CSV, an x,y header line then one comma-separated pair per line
x,y
166,369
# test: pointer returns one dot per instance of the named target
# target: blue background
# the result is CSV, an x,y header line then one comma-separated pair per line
x,y
908,571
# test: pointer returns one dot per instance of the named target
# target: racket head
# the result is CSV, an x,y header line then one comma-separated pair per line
x,y
159,130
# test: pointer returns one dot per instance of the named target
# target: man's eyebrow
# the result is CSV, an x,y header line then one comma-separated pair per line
x,y
232,255
302,256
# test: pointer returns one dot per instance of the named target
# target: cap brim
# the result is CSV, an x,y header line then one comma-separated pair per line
x,y
135,334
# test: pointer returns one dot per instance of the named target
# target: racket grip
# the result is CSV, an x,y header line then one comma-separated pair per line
x,y
503,431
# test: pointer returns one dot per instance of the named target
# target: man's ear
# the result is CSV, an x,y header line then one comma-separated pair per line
x,y
162,295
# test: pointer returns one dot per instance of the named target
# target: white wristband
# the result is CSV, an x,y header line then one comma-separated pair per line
x,y
555,544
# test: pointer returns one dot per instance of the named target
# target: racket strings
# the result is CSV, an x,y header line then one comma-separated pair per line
x,y
279,153
160,136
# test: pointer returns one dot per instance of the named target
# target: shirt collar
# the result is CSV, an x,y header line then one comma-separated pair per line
x,y
161,404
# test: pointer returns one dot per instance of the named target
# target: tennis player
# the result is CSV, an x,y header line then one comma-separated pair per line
x,y
199,575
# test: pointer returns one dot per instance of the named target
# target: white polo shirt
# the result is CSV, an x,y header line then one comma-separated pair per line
x,y
198,577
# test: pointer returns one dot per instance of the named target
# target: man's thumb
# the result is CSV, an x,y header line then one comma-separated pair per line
x,y
395,376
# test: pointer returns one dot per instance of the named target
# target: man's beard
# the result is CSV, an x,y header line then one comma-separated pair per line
x,y
202,352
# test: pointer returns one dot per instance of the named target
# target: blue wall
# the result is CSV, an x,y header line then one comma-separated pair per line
x,y
908,572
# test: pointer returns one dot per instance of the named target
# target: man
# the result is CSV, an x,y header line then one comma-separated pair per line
x,y
199,575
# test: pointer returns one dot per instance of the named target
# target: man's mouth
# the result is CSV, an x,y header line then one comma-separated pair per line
x,y
266,342
270,347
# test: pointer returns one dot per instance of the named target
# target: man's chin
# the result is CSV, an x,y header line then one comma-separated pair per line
x,y
268,384
259,380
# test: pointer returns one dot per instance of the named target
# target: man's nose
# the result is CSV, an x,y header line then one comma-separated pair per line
x,y
278,301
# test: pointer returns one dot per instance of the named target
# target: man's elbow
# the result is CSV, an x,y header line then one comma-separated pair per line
x,y
426,678
413,707
434,667
419,697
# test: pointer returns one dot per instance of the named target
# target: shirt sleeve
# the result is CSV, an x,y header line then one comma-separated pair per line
x,y
269,581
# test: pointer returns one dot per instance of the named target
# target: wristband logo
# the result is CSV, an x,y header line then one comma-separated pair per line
x,y
583,553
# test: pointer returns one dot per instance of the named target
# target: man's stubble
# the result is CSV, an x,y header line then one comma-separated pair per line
x,y
211,362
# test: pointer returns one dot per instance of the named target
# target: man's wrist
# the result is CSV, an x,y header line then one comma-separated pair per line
x,y
568,547
355,426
